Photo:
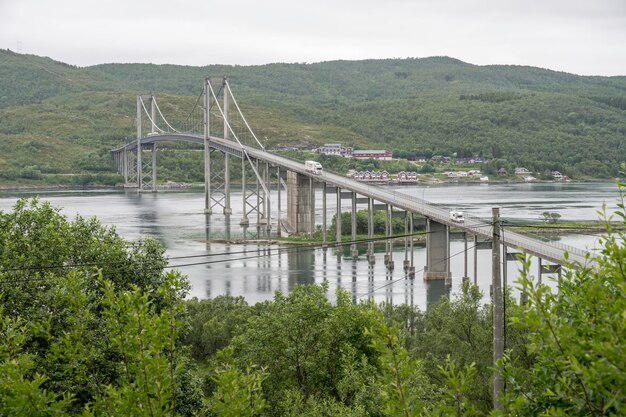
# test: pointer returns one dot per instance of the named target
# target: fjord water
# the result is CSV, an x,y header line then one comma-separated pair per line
x,y
255,270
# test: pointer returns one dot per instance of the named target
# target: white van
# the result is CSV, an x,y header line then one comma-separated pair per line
x,y
313,167
457,216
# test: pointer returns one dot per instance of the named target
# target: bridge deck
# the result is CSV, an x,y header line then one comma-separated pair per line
x,y
553,252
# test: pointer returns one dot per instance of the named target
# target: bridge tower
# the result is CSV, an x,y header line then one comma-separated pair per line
x,y
217,174
139,165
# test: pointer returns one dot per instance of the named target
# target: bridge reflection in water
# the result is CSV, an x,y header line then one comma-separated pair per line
x,y
256,269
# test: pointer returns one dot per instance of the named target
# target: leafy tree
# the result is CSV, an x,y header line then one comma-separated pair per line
x,y
577,338
238,392
306,344
458,383
93,334
459,331
402,378
213,323
550,217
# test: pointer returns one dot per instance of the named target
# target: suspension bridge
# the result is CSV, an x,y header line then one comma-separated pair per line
x,y
217,123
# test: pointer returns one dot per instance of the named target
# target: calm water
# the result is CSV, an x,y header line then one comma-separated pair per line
x,y
256,270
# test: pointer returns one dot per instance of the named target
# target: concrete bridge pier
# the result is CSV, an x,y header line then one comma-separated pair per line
x,y
475,260
437,251
244,219
154,167
139,173
465,275
125,165
124,161
388,234
370,232
268,201
278,207
324,216
412,264
338,218
406,242
311,208
300,202
353,248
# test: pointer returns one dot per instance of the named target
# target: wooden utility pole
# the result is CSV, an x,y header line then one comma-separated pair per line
x,y
498,340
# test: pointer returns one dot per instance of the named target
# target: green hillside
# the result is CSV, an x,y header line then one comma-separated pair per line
x,y
530,117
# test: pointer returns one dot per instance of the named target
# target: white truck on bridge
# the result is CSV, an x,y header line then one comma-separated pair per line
x,y
457,216
313,167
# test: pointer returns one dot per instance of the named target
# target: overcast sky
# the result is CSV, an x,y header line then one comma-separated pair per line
x,y
579,36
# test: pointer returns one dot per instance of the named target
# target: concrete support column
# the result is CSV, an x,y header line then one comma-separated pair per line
x,y
390,264
465,276
370,232
154,167
388,233
300,202
406,241
437,251
475,259
125,166
139,173
324,213
258,193
244,219
353,249
338,216
279,191
268,200
412,266
311,208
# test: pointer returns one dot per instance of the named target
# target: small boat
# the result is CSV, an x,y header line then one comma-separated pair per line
x,y
484,179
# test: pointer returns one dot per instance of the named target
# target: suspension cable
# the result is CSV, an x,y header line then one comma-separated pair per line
x,y
163,117
242,116
148,114
193,109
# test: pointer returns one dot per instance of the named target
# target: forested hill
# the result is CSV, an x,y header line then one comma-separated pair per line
x,y
531,117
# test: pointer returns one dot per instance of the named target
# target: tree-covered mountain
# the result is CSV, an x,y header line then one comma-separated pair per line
x,y
530,117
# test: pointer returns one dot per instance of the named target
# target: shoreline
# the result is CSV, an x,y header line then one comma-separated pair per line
x,y
549,231
193,186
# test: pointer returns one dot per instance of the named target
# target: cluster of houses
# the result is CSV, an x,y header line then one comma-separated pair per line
x,y
558,176
528,175
348,152
371,176
458,174
407,177
383,177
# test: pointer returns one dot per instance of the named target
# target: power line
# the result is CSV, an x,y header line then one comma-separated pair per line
x,y
298,247
270,252
278,251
